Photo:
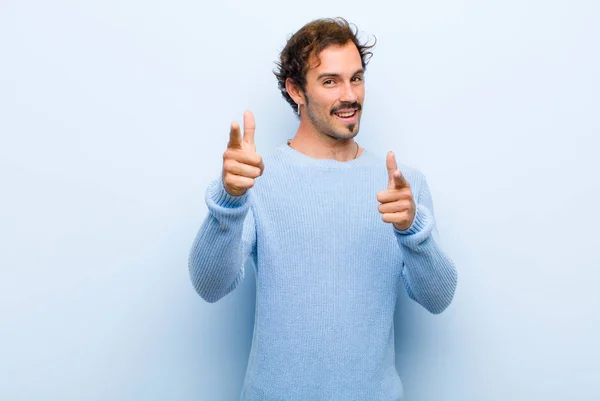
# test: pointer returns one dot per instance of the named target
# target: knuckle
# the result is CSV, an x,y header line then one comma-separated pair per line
x,y
229,156
228,165
255,162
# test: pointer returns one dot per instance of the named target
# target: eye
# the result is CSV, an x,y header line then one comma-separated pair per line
x,y
328,82
357,78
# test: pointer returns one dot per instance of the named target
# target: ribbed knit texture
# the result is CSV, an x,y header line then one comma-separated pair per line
x,y
328,272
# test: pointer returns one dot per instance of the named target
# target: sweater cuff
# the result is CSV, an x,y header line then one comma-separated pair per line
x,y
420,228
217,195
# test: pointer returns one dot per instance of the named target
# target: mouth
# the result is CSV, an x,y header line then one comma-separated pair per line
x,y
346,115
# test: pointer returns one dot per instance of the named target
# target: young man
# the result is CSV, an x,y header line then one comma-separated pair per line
x,y
334,234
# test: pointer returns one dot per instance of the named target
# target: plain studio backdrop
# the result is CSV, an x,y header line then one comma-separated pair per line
x,y
114,116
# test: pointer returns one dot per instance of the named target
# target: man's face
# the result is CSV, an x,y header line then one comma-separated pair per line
x,y
335,91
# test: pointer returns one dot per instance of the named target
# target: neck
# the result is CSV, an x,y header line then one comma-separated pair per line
x,y
320,146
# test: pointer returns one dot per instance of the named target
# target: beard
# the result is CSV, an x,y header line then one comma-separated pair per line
x,y
326,123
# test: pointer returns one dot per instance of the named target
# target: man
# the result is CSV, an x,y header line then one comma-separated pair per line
x,y
331,244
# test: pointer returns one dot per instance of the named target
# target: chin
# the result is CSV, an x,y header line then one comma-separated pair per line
x,y
343,135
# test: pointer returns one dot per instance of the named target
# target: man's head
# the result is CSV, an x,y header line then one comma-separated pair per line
x,y
321,70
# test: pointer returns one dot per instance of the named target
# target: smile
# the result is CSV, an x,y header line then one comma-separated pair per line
x,y
346,115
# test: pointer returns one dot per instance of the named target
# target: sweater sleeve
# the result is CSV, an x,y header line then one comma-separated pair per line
x,y
224,242
429,275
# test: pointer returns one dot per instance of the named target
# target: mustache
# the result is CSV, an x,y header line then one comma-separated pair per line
x,y
347,105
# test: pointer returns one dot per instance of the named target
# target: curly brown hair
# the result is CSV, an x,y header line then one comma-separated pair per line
x,y
314,37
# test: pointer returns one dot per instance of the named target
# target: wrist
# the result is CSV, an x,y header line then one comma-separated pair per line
x,y
422,222
222,197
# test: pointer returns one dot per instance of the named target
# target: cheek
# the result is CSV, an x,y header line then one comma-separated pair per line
x,y
361,95
323,105
325,100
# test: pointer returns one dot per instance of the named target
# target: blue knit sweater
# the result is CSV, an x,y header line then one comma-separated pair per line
x,y
328,272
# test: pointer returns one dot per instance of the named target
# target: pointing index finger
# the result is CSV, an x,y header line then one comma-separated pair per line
x,y
390,163
399,180
249,127
396,179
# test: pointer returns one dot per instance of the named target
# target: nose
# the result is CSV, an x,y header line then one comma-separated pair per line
x,y
349,93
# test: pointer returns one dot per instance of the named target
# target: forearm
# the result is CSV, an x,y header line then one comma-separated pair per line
x,y
217,255
429,275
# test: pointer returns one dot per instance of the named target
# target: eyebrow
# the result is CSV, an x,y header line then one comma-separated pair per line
x,y
334,75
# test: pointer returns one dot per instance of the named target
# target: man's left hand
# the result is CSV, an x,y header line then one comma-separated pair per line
x,y
397,203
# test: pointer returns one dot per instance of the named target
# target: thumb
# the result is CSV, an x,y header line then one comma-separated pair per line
x,y
235,138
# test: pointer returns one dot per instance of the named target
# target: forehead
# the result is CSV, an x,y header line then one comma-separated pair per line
x,y
336,59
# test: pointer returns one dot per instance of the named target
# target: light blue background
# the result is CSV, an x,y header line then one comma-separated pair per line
x,y
113,119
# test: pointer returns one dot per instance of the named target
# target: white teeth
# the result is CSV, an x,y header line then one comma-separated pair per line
x,y
344,115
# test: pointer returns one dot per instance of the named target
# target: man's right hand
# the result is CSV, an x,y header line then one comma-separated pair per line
x,y
241,163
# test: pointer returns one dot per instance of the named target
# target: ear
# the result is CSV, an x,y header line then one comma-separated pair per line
x,y
294,91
